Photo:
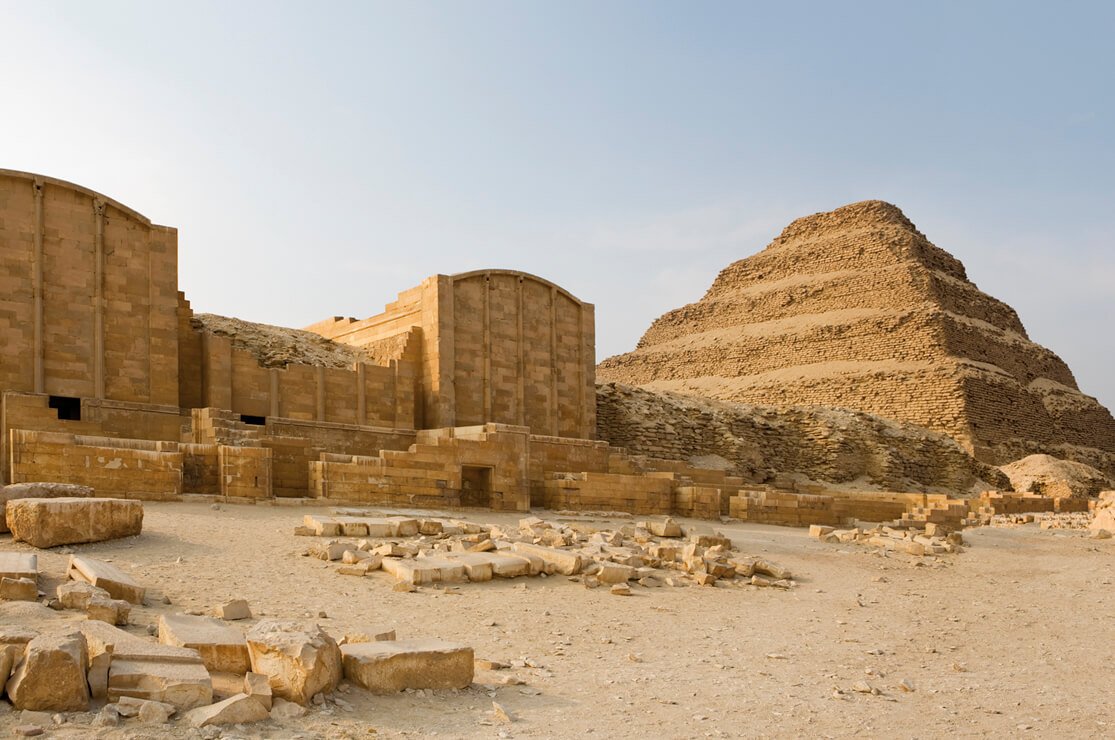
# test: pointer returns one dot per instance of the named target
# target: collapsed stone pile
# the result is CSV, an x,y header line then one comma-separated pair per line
x,y
429,551
889,539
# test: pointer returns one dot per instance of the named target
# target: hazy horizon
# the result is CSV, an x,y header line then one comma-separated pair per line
x,y
317,163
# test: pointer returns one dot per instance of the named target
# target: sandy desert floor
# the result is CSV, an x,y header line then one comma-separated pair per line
x,y
1013,637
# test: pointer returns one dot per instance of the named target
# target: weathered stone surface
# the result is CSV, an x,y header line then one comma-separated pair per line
x,y
147,670
97,675
258,686
664,528
562,561
478,565
236,710
39,490
78,594
282,709
368,633
10,655
506,565
185,685
48,522
116,582
234,609
51,676
390,666
222,647
424,570
147,711
615,573
112,611
18,589
19,565
299,659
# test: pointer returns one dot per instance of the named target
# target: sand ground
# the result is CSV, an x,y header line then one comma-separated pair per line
x,y
1012,637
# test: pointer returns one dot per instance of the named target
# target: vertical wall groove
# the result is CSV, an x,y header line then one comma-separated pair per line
x,y
37,287
361,395
486,362
99,300
555,421
520,390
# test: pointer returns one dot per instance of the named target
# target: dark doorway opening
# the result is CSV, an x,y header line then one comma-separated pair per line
x,y
476,486
69,409
258,421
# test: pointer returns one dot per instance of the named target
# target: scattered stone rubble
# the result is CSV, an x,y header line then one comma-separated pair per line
x,y
426,551
890,539
202,671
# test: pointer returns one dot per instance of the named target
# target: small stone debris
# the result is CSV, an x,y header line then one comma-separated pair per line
x,y
500,714
910,540
233,610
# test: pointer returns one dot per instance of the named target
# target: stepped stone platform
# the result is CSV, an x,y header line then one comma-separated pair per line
x,y
856,309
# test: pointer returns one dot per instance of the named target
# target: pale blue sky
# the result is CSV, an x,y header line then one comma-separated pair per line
x,y
319,158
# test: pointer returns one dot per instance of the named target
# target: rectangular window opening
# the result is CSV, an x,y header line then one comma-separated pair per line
x,y
68,408
253,420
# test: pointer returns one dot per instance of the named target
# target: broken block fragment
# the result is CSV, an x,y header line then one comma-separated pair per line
x,y
300,660
116,582
391,666
222,647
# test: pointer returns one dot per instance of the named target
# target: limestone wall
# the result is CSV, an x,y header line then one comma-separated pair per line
x,y
88,295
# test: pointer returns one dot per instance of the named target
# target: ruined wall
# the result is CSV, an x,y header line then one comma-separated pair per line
x,y
429,474
88,295
99,418
856,309
218,374
496,346
112,467
761,443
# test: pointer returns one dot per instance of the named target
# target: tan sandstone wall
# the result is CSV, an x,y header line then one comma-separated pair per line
x,y
88,295
497,346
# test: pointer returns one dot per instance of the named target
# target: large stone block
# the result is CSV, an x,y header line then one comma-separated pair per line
x,y
19,565
46,522
299,659
39,490
222,647
387,667
51,677
116,582
18,589
566,562
424,570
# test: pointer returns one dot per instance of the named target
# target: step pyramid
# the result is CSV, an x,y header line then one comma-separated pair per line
x,y
856,309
